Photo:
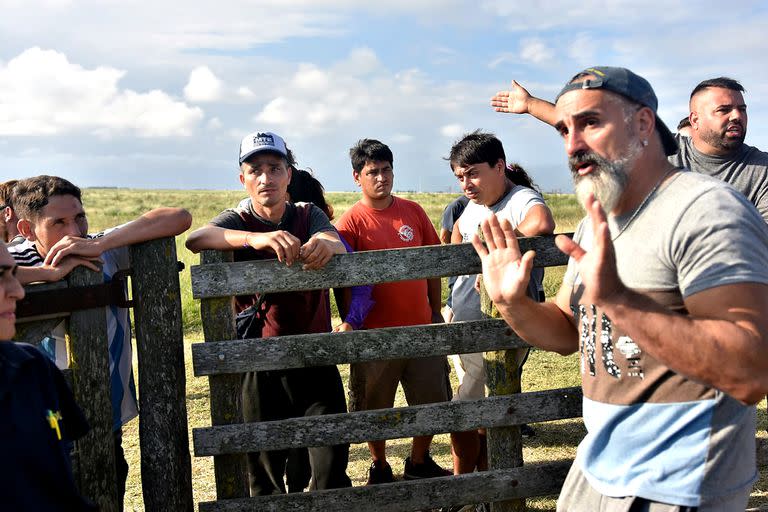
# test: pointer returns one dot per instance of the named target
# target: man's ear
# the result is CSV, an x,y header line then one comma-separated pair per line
x,y
242,178
7,213
646,122
27,229
693,117
356,177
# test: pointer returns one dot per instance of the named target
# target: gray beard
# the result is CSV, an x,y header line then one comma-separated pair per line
x,y
609,179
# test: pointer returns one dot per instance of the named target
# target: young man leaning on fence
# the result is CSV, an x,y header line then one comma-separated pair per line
x,y
664,297
478,161
264,228
53,221
382,221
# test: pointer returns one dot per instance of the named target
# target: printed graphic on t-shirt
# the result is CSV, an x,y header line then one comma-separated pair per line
x,y
405,233
616,370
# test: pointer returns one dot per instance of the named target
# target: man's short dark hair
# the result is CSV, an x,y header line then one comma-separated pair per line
x,y
476,148
722,81
6,191
684,123
31,195
369,150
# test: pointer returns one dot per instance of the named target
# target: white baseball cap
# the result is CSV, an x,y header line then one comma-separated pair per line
x,y
261,141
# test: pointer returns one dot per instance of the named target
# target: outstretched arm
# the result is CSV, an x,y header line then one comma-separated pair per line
x,y
157,223
517,100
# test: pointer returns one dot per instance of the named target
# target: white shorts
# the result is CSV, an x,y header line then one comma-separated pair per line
x,y
470,370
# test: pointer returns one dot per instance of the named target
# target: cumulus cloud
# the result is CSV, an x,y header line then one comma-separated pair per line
x,y
43,93
203,86
452,130
535,51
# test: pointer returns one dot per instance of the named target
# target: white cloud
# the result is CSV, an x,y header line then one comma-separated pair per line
x,y
535,51
215,124
245,92
203,86
452,130
42,93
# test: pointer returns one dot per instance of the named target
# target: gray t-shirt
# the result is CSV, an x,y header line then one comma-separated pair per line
x,y
746,170
652,432
514,207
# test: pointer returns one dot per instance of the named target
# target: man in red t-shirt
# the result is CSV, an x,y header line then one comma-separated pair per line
x,y
382,221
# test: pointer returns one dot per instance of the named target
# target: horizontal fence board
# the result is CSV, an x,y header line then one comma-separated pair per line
x,y
529,481
357,427
259,354
365,267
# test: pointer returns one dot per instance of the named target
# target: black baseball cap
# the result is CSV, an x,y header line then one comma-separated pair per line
x,y
626,83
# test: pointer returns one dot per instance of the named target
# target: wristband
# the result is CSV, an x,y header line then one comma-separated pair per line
x,y
246,245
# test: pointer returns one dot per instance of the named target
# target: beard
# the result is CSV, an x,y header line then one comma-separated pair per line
x,y
720,139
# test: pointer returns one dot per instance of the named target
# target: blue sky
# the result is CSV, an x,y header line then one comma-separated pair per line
x,y
159,94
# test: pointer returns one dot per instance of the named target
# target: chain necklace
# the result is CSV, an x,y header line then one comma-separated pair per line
x,y
642,205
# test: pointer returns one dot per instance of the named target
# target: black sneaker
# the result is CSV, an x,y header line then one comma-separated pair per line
x,y
380,472
427,469
527,431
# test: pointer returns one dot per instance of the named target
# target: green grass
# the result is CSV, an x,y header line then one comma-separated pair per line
x,y
555,440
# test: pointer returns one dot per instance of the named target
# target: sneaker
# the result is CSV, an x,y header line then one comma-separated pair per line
x,y
380,472
427,469
527,431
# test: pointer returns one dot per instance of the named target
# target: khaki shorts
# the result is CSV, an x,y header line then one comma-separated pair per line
x,y
578,495
373,384
470,370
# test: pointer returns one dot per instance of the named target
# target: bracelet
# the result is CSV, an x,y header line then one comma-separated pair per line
x,y
246,245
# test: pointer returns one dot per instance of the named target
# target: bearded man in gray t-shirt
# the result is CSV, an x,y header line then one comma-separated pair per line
x,y
664,299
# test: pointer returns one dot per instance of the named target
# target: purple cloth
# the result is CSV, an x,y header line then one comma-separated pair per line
x,y
361,299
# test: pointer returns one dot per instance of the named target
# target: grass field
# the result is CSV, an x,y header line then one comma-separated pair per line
x,y
555,440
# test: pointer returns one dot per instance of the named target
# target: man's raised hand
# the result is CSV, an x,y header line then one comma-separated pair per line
x,y
513,101
506,271
597,267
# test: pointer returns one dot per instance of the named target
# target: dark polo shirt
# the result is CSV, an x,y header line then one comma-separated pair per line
x,y
39,420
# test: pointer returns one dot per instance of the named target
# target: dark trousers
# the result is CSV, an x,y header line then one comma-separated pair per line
x,y
275,395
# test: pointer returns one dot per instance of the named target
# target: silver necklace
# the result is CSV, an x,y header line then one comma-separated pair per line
x,y
643,204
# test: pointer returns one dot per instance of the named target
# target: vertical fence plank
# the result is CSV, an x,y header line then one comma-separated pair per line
x,y
505,447
218,317
89,354
166,467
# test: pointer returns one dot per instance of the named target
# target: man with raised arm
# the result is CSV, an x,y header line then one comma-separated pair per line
x,y
53,222
715,147
664,298
380,220
264,228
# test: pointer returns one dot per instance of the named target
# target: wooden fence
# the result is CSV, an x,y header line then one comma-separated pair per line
x,y
165,461
223,359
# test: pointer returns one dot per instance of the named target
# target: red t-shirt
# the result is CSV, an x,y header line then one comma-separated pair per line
x,y
402,224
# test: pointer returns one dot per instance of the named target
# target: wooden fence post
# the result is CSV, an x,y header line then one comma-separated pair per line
x,y
218,317
89,354
166,467
505,446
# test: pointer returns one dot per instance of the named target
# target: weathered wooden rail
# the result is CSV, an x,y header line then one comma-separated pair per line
x,y
223,359
165,460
